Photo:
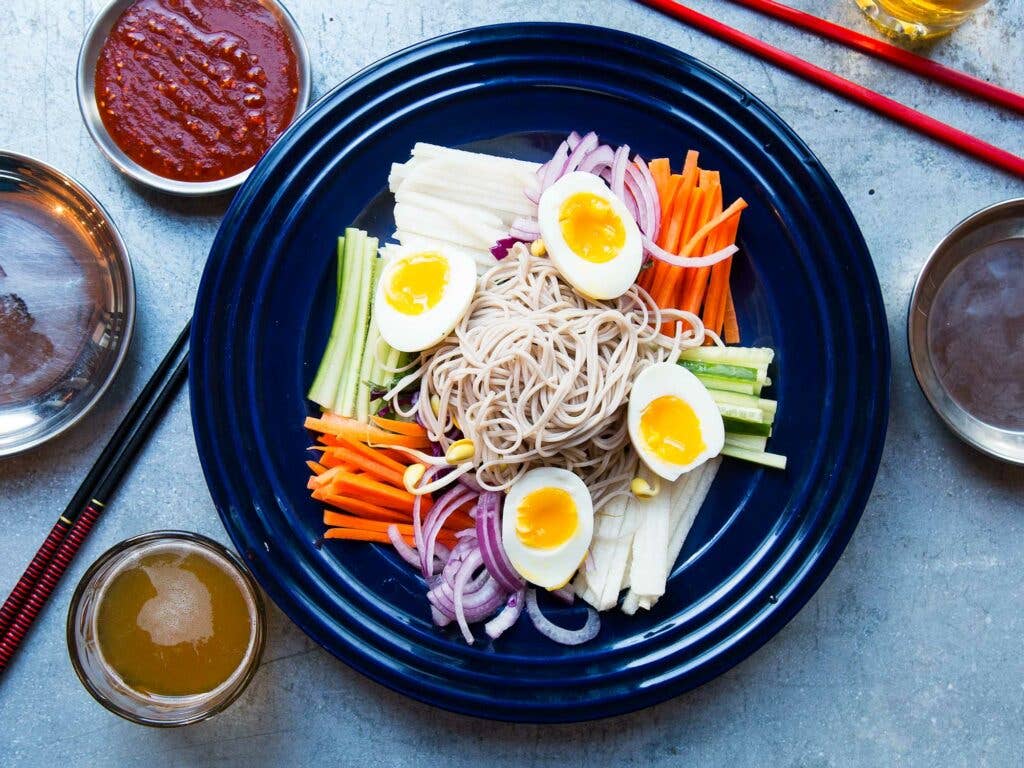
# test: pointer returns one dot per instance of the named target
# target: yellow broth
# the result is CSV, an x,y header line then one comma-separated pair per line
x,y
174,622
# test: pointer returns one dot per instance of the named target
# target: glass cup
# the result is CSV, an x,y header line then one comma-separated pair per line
x,y
918,19
104,683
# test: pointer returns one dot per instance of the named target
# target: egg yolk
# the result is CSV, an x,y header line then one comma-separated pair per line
x,y
671,430
417,283
546,518
591,227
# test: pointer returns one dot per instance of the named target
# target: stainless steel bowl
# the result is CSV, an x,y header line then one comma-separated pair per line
x,y
89,53
990,225
69,296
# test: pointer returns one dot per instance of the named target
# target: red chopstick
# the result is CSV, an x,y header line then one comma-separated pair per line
x,y
891,108
893,54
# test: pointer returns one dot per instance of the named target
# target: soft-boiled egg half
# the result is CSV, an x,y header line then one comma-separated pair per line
x,y
674,423
421,296
590,236
546,525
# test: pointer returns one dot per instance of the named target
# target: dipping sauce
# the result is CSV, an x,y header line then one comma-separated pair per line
x,y
174,621
49,288
976,334
197,90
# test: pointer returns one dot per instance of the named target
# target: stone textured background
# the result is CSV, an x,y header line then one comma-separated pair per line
x,y
911,653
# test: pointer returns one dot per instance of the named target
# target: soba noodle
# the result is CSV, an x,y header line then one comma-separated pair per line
x,y
536,374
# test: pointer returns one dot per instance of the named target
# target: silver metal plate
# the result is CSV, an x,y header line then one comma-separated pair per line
x,y
89,53
998,222
67,302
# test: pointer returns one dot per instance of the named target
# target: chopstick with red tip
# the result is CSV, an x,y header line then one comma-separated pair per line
x,y
893,54
890,108
41,577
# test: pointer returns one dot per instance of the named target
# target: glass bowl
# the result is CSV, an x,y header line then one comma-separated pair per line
x,y
105,684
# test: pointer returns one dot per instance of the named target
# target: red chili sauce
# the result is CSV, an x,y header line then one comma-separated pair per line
x,y
196,90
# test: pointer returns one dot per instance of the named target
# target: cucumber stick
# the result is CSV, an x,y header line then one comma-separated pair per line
x,y
325,383
347,282
730,385
360,286
772,460
744,401
741,426
720,370
754,357
750,442
369,359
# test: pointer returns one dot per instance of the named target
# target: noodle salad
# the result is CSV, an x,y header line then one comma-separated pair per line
x,y
531,388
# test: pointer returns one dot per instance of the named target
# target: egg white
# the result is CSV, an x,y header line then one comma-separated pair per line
x,y
664,379
548,568
414,333
607,280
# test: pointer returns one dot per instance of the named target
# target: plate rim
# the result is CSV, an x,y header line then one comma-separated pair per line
x,y
811,572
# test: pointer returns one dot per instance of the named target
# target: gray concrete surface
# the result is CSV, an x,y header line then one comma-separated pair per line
x,y
911,653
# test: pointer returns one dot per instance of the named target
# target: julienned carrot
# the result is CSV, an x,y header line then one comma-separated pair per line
x,y
713,223
379,493
669,293
660,170
360,534
363,508
731,326
364,433
410,428
324,479
692,200
384,472
316,468
714,303
379,455
333,461
695,282
341,520
689,280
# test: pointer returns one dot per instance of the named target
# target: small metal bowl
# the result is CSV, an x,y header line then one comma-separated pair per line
x,y
990,225
87,57
67,294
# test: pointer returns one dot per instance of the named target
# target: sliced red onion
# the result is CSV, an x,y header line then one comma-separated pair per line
x,y
461,579
555,167
688,261
406,552
439,618
583,147
470,482
631,206
647,183
573,140
619,171
435,521
598,160
501,248
559,634
417,528
525,229
509,615
488,533
646,197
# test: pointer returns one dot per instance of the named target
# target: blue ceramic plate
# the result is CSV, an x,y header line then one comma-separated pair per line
x,y
804,285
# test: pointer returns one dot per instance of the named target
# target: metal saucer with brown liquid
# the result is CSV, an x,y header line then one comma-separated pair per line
x,y
965,329
67,302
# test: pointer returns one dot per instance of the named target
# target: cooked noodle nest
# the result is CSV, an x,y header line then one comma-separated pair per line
x,y
537,375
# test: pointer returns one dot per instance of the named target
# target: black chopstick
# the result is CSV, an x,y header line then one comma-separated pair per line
x,y
52,559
